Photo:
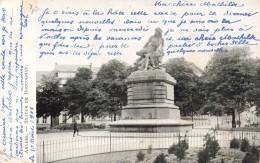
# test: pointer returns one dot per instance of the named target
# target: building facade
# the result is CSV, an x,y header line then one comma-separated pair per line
x,y
63,72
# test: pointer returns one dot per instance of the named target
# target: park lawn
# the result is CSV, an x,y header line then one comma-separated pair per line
x,y
230,155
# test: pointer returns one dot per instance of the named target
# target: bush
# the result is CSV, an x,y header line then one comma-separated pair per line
x,y
249,158
252,156
160,158
102,126
254,151
70,126
203,156
185,144
212,146
172,149
235,143
140,156
210,150
245,146
180,152
149,150
179,149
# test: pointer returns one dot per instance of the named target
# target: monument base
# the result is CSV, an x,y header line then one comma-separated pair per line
x,y
150,125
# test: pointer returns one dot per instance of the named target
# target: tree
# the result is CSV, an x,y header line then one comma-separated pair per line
x,y
49,98
229,77
254,94
75,93
111,80
188,93
97,103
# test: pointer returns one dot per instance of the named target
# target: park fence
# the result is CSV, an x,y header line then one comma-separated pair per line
x,y
54,150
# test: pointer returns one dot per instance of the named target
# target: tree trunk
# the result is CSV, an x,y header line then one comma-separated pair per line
x,y
233,118
239,119
192,119
51,122
114,116
217,123
82,117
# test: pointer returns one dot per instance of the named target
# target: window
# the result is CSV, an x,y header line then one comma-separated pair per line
x,y
44,120
64,118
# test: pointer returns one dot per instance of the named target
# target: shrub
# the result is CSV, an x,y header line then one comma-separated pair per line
x,y
249,158
70,126
179,149
185,144
149,150
172,149
160,158
245,146
180,152
102,126
212,146
254,151
140,156
203,156
235,143
222,160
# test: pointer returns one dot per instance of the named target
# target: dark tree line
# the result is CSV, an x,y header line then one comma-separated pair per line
x,y
229,83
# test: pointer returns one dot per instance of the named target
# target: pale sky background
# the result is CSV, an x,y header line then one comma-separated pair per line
x,y
200,59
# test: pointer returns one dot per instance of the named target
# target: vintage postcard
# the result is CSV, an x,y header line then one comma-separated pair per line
x,y
111,81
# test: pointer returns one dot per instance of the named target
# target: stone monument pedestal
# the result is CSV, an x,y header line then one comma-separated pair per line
x,y
150,97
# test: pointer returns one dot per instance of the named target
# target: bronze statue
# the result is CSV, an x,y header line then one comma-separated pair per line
x,y
152,53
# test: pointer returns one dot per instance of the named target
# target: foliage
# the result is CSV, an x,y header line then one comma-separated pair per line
x,y
203,156
97,103
235,143
75,93
185,144
101,126
140,156
245,146
172,149
149,150
212,145
210,150
188,92
179,149
229,77
49,98
70,126
111,81
253,96
213,148
160,158
249,158
254,151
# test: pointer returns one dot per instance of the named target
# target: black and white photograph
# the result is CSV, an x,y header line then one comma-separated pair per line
x,y
155,81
